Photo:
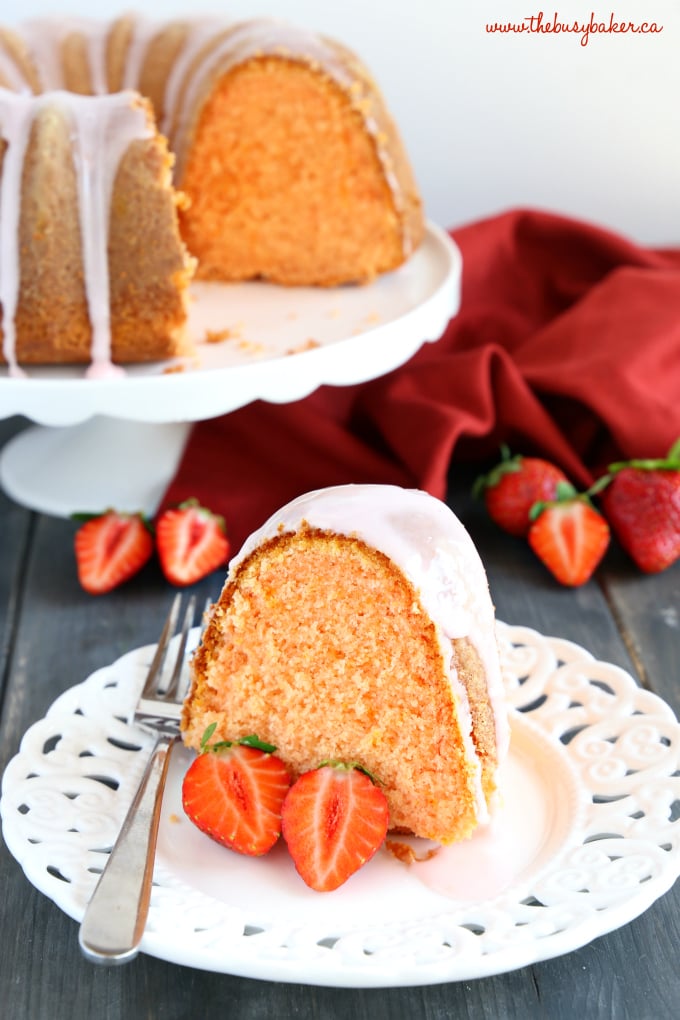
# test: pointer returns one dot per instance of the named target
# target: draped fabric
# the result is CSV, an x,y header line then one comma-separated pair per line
x,y
567,344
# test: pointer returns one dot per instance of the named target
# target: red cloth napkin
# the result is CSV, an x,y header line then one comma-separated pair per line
x,y
567,344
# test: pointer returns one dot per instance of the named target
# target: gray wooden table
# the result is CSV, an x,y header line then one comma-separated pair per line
x,y
53,635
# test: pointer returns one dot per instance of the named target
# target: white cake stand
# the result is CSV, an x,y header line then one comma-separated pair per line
x,y
117,442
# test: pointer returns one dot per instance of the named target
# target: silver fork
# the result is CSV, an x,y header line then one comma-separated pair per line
x,y
115,917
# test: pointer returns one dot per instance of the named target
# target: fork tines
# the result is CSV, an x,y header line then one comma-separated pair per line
x,y
160,702
154,688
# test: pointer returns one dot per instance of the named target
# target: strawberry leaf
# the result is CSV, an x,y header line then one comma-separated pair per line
x,y
205,739
347,766
564,493
671,462
506,465
83,516
252,740
674,452
598,485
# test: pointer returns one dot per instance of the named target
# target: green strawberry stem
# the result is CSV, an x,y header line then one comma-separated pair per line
x,y
564,493
601,483
671,462
506,465
252,740
83,516
347,766
192,503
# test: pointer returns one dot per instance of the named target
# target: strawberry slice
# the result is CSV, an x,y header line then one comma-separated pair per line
x,y
110,548
512,487
233,792
569,536
334,818
191,542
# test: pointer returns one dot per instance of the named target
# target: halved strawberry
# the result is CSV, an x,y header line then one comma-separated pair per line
x,y
233,792
334,818
512,487
569,536
110,549
191,542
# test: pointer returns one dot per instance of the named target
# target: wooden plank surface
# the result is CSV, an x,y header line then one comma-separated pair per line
x,y
53,636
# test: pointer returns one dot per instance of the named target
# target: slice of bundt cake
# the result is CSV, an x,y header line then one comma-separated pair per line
x,y
357,625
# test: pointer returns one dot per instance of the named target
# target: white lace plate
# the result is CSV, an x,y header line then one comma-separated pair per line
x,y
585,838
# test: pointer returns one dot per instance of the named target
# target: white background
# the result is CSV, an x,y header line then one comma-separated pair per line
x,y
498,121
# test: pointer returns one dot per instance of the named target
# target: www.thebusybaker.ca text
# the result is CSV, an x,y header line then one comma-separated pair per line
x,y
539,24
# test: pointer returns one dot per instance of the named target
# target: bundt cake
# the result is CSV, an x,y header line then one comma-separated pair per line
x,y
287,167
357,625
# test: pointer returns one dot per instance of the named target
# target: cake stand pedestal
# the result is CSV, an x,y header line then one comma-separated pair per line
x,y
101,443
86,468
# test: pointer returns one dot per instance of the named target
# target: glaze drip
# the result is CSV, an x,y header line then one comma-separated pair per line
x,y
102,131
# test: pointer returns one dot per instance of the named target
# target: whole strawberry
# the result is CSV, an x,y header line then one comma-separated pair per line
x,y
513,486
233,792
642,504
569,536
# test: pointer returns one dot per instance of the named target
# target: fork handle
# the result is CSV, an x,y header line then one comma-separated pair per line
x,y
115,917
